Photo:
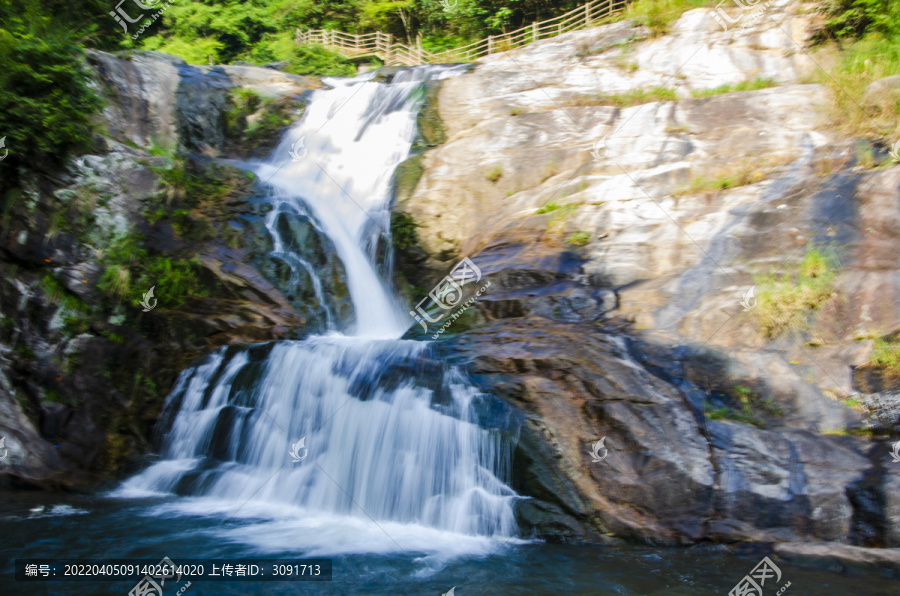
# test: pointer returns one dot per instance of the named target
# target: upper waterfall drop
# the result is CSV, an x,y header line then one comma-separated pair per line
x,y
337,162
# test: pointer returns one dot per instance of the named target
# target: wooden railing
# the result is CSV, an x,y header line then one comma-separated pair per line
x,y
383,46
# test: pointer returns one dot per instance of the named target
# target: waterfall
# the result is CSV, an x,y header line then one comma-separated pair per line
x,y
399,451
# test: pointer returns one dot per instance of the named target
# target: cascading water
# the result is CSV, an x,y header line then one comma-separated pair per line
x,y
393,457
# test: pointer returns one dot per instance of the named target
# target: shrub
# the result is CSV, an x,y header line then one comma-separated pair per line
x,y
46,103
316,60
547,208
579,238
404,230
494,174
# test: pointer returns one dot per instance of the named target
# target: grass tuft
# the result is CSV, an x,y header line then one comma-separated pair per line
x,y
784,301
751,85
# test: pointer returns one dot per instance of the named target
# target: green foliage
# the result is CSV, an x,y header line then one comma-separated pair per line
x,y
45,101
129,270
547,208
854,18
186,186
784,301
404,230
751,85
867,49
741,175
270,117
61,295
579,238
316,60
260,31
197,50
748,407
494,174
859,64
887,355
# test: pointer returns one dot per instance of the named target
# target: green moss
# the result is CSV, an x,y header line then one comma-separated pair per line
x,y
429,121
494,174
407,176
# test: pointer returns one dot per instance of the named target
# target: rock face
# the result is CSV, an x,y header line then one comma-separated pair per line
x,y
83,367
159,100
621,241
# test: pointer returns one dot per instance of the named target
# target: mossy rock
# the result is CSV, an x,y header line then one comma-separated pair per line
x,y
406,178
431,126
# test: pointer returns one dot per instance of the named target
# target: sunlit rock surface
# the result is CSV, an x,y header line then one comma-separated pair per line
x,y
616,309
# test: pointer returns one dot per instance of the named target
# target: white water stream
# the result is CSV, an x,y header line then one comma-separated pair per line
x,y
395,460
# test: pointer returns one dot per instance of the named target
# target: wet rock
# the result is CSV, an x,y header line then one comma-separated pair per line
x,y
841,557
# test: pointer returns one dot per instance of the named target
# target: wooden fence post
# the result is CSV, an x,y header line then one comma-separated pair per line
x,y
490,44
587,14
534,31
387,54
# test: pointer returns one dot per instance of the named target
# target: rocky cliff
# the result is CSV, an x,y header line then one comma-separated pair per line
x,y
623,204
